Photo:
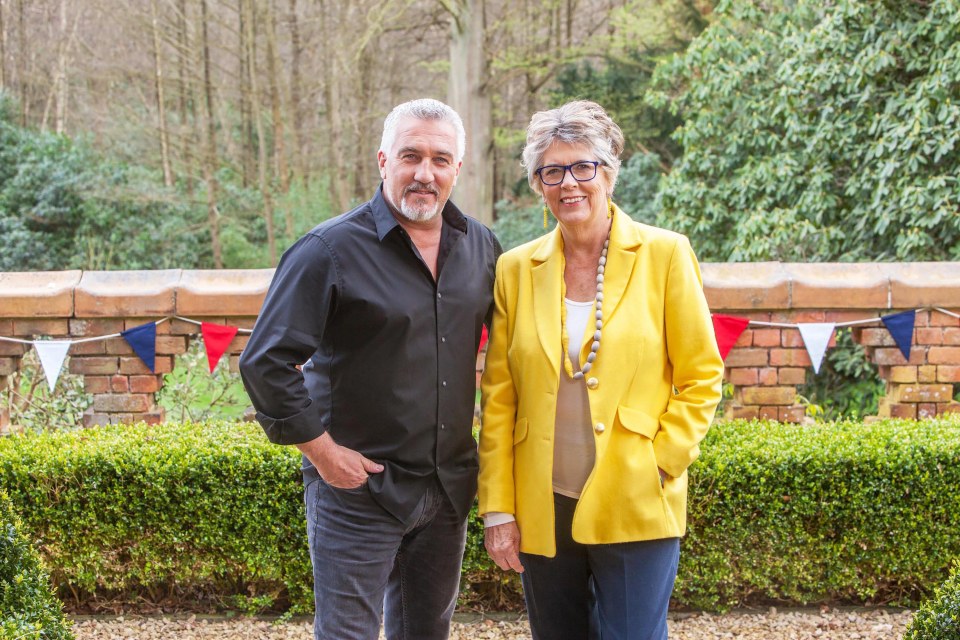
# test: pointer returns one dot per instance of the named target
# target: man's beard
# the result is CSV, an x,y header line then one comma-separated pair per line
x,y
423,212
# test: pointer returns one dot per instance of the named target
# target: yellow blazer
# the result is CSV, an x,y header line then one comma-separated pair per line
x,y
659,377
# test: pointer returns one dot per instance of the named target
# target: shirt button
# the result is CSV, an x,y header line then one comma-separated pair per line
x,y
439,295
443,426
593,383
599,428
444,383
442,339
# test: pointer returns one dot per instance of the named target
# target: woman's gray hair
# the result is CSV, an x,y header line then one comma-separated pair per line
x,y
423,109
579,122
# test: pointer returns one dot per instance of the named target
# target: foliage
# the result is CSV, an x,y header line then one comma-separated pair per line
x,y
939,618
516,224
28,608
190,393
847,385
843,511
33,407
818,131
800,514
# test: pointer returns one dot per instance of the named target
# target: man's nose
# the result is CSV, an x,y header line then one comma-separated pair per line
x,y
424,171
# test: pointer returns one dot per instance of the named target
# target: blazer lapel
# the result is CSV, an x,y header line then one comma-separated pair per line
x,y
546,271
621,261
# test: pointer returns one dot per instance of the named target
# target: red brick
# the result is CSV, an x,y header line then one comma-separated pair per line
x,y
171,345
122,403
791,338
792,375
91,348
908,411
132,323
745,339
742,413
768,376
183,328
6,327
949,407
922,393
929,335
926,410
145,384
119,384
241,322
234,365
876,338
41,327
927,373
4,419
766,338
798,316
119,347
943,355
12,348
747,358
83,327
96,384
902,373
8,366
922,319
135,366
790,358
893,356
95,365
769,413
794,414
951,336
743,377
938,319
843,316
767,395
239,343
948,373
153,417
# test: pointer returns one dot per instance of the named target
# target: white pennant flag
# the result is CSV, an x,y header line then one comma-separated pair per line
x,y
816,337
52,353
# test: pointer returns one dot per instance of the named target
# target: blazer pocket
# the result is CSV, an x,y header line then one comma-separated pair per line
x,y
520,431
638,421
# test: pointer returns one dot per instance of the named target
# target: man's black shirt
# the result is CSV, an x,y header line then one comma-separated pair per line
x,y
389,353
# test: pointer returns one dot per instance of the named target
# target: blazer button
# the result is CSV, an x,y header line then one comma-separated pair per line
x,y
599,428
593,383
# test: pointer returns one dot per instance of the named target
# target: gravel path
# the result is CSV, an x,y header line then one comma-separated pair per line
x,y
804,624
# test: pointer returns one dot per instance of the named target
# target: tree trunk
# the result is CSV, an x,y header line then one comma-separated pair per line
x,y
210,160
186,105
468,94
161,106
336,162
296,94
22,53
246,127
3,51
261,138
276,109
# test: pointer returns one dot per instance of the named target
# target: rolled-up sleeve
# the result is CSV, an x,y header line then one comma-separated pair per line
x,y
288,332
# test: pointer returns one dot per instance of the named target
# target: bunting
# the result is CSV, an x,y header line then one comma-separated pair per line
x,y
900,326
816,337
143,340
728,330
216,338
52,354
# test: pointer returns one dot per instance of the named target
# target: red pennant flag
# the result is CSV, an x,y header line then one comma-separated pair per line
x,y
728,330
216,339
483,339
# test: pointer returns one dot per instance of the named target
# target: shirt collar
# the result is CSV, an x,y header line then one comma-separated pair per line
x,y
386,222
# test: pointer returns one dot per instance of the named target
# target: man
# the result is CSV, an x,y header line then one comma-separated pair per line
x,y
385,305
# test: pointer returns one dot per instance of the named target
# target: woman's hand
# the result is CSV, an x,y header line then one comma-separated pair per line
x,y
503,545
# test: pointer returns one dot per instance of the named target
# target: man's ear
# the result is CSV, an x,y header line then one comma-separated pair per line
x,y
382,162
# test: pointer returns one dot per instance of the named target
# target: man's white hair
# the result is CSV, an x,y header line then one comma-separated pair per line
x,y
423,109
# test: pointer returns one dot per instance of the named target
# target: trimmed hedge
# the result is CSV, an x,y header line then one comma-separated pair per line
x,y
939,618
841,512
28,608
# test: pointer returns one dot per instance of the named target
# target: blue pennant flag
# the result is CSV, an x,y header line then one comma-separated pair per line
x,y
900,326
143,339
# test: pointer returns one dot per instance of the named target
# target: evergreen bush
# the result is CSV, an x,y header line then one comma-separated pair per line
x,y
28,609
939,618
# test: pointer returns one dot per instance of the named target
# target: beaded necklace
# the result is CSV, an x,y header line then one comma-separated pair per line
x,y
565,339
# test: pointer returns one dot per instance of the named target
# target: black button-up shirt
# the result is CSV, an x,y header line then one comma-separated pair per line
x,y
389,353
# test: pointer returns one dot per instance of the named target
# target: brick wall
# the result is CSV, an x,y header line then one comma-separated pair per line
x,y
765,367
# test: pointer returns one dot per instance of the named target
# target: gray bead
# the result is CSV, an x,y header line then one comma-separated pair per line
x,y
599,314
600,278
599,324
595,347
603,260
599,305
578,375
599,296
586,369
596,336
600,288
591,357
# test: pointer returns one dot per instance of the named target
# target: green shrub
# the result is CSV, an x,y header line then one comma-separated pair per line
x,y
28,609
841,512
939,618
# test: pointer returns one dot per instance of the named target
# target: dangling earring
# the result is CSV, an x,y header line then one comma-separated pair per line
x,y
609,208
545,215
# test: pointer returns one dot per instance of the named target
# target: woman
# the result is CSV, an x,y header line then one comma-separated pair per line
x,y
602,376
